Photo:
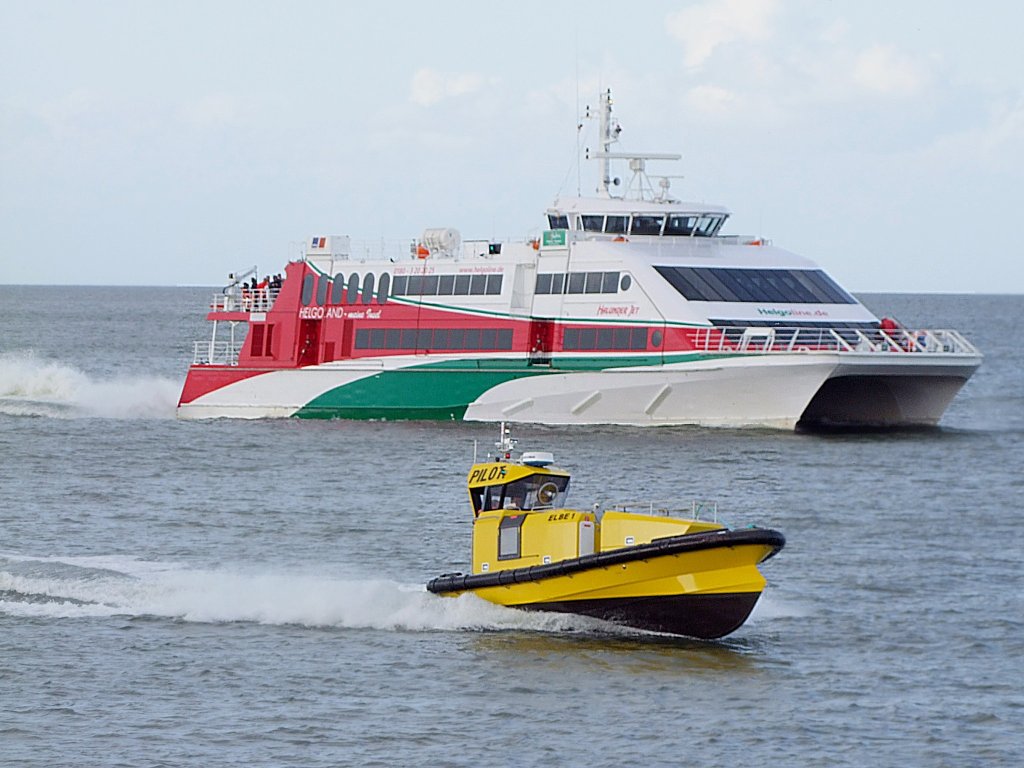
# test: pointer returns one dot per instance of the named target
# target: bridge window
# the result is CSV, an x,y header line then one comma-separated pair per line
x,y
647,225
616,225
592,223
557,221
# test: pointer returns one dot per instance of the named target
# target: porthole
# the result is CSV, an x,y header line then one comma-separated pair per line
x,y
625,282
656,339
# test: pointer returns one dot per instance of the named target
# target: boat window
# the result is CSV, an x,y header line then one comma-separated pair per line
x,y
399,286
647,225
376,338
706,225
337,288
593,282
558,283
493,285
408,339
392,338
363,338
471,339
610,282
680,225
577,282
477,285
593,223
428,287
307,290
352,296
321,289
423,337
415,286
383,288
510,536
616,224
625,283
445,285
556,221
543,284
604,339
532,492
462,285
788,286
368,288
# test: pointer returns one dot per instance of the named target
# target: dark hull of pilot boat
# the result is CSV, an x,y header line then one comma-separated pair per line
x,y
705,617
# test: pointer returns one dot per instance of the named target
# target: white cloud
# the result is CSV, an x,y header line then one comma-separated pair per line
x,y
711,99
884,69
430,86
703,28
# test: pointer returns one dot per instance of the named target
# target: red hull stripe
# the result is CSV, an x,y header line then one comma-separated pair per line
x,y
204,379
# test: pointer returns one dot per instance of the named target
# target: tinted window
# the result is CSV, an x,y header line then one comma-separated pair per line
x,y
477,285
398,289
307,290
352,295
610,282
577,282
543,284
505,338
625,283
445,285
376,338
322,286
368,288
362,338
594,282
789,286
383,288
493,285
647,225
337,288
429,285
558,222
593,223
558,283
680,225
616,224
461,285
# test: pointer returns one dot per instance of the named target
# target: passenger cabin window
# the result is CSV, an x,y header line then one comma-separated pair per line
x,y
352,296
307,290
785,286
383,288
368,288
337,288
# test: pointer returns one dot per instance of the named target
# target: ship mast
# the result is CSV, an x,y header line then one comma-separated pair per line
x,y
610,130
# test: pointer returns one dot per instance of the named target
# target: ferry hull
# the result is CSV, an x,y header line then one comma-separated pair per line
x,y
768,391
699,585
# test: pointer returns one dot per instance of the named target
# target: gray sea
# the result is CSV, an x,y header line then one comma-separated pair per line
x,y
250,593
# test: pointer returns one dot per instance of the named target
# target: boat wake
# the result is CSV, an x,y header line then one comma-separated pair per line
x,y
30,386
90,587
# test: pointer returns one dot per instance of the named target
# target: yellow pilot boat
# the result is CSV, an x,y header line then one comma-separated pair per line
x,y
651,571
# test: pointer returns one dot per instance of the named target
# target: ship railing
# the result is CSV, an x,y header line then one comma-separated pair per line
x,y
748,340
698,509
216,352
236,298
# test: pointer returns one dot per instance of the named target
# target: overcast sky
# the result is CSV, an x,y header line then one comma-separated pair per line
x,y
166,143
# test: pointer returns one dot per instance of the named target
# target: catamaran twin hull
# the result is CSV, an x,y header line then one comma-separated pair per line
x,y
727,390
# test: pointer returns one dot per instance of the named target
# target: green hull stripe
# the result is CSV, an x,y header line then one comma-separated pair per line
x,y
444,390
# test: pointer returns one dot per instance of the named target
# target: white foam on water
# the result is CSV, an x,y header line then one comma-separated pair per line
x,y
30,386
61,588
771,607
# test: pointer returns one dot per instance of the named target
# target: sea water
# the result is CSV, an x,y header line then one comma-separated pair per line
x,y
251,593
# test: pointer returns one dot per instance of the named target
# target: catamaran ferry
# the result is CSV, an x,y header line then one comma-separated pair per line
x,y
631,309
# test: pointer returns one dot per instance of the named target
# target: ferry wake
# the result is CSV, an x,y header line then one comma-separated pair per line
x,y
632,310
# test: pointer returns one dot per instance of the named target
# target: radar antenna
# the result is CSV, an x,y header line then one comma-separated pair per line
x,y
610,130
